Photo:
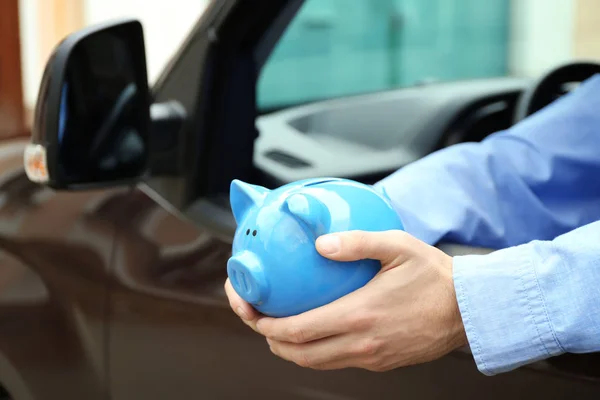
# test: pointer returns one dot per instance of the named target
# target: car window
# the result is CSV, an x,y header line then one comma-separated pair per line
x,y
332,49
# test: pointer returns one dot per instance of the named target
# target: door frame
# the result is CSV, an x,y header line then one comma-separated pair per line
x,y
213,73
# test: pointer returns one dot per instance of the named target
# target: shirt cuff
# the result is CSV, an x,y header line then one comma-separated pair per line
x,y
503,310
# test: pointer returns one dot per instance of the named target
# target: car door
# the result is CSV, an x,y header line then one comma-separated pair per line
x,y
55,253
171,333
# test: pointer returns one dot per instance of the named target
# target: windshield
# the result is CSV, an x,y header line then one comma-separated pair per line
x,y
332,49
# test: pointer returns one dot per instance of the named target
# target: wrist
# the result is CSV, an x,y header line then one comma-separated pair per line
x,y
456,327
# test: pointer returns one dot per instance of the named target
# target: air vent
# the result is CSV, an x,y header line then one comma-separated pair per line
x,y
286,159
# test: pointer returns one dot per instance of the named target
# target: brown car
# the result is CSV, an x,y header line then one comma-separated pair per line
x,y
116,234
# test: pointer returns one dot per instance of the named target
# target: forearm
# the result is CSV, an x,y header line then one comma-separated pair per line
x,y
533,301
535,181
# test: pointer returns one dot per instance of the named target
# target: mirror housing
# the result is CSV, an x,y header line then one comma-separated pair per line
x,y
92,117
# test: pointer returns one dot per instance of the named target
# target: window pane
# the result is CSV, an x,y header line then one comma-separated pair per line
x,y
332,49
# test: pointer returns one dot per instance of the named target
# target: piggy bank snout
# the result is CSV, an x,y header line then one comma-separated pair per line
x,y
247,277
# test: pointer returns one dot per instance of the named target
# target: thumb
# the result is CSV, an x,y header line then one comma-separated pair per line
x,y
385,246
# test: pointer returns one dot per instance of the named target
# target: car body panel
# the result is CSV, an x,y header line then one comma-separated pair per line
x,y
55,253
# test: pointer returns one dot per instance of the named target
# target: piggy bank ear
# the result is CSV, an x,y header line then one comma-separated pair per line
x,y
243,196
309,211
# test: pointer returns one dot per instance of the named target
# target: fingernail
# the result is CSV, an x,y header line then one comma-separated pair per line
x,y
241,313
270,342
330,244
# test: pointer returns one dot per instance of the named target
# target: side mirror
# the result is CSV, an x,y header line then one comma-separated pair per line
x,y
92,117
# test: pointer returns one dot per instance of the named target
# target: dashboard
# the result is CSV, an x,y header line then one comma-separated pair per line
x,y
367,137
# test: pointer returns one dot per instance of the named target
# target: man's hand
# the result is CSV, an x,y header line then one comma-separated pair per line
x,y
407,314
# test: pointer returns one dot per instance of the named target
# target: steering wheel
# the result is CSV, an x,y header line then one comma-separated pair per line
x,y
551,86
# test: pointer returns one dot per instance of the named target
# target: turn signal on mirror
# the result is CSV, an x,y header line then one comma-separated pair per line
x,y
36,166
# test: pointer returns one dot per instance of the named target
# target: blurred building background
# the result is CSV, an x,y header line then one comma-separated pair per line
x,y
333,47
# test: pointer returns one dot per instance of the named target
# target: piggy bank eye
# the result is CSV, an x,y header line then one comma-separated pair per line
x,y
254,232
247,232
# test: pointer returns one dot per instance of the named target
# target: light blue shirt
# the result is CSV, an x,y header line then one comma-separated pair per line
x,y
533,193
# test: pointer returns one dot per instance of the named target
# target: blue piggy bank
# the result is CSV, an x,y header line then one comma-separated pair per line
x,y
274,264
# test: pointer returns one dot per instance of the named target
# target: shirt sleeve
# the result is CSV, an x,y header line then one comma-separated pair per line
x,y
536,180
531,302
532,191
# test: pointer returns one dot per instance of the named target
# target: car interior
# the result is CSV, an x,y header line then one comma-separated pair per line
x,y
364,120
368,137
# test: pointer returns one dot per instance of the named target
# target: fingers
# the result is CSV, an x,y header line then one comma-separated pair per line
x,y
318,354
329,320
244,310
332,353
385,246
